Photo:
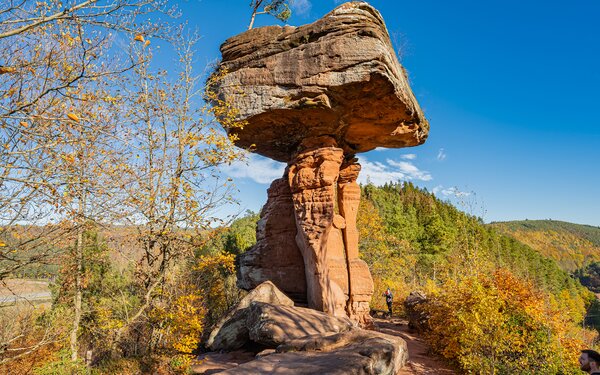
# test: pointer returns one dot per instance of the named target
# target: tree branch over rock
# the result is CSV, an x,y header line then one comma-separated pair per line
x,y
277,8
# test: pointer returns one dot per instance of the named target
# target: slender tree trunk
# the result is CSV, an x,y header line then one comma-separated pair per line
x,y
80,220
254,13
252,20
78,294
141,310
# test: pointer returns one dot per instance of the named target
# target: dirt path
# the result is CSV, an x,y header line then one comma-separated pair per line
x,y
420,361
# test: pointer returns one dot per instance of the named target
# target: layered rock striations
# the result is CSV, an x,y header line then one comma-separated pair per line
x,y
276,255
314,96
338,76
296,340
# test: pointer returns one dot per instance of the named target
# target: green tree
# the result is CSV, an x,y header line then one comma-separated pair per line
x,y
277,8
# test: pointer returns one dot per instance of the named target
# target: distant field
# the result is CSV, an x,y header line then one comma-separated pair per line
x,y
15,290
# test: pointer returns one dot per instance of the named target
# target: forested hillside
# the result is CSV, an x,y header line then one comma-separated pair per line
x,y
495,304
573,246
437,239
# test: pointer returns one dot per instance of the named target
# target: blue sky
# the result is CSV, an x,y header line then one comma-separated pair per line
x,y
511,90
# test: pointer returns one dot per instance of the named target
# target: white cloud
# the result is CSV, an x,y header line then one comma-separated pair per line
x,y
379,173
409,157
263,170
412,171
441,155
450,192
257,168
300,6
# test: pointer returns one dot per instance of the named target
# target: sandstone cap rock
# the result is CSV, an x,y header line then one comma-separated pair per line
x,y
338,76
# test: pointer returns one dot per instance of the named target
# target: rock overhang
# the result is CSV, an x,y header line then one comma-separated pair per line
x,y
338,76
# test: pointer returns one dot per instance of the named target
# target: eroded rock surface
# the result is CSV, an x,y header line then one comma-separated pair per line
x,y
413,305
295,340
360,283
268,318
338,76
312,177
273,325
231,332
353,352
276,256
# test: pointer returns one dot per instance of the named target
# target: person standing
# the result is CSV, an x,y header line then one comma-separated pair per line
x,y
589,361
389,299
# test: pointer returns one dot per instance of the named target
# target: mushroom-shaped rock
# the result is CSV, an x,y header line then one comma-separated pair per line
x,y
314,96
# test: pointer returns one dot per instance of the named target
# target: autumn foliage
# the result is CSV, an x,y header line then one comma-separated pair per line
x,y
498,324
495,306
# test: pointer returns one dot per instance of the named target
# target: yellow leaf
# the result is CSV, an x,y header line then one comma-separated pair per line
x,y
73,117
24,124
2,244
139,38
147,43
7,69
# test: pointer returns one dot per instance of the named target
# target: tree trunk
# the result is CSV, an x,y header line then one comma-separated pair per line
x,y
252,20
80,222
77,299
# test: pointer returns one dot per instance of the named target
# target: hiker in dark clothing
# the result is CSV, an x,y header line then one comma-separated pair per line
x,y
389,298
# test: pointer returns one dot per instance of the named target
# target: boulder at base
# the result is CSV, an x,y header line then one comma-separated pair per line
x,y
353,352
296,340
231,332
272,325
413,305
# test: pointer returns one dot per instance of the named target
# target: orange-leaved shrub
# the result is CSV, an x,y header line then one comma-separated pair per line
x,y
500,324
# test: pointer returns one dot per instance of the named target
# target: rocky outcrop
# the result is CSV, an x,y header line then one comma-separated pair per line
x,y
353,352
298,340
313,97
360,284
312,177
338,76
272,325
275,256
231,332
269,325
413,306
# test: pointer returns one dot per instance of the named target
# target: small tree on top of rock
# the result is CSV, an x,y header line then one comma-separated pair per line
x,y
277,8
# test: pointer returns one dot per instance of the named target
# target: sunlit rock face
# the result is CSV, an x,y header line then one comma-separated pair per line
x,y
296,340
313,97
338,76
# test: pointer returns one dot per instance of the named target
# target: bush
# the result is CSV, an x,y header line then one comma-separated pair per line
x,y
500,324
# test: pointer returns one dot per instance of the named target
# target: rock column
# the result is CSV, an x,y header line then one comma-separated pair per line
x,y
360,283
275,256
312,175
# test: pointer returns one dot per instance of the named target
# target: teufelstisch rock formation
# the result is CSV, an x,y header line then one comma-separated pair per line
x,y
314,96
